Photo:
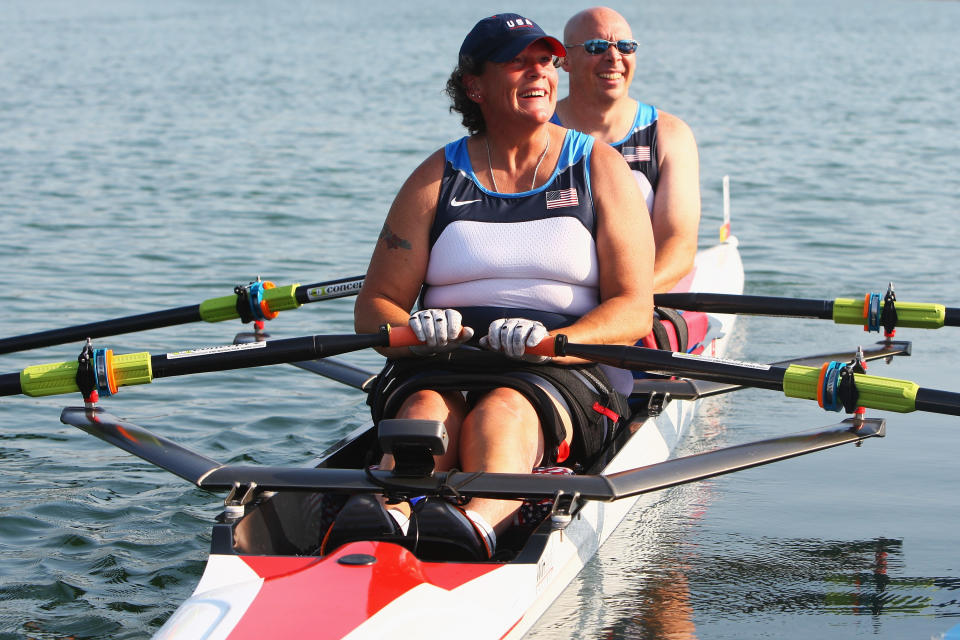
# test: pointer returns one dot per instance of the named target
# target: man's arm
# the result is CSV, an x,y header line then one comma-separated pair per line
x,y
676,208
625,253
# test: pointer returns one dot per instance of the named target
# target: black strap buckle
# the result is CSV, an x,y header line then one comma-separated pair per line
x,y
86,373
888,317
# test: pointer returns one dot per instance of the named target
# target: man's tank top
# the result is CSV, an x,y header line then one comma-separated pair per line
x,y
639,149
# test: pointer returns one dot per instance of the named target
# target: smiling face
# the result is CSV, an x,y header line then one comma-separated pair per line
x,y
605,76
521,90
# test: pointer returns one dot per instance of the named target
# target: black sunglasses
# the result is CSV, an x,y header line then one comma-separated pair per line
x,y
598,46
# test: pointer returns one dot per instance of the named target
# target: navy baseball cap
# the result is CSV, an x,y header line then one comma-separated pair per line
x,y
501,37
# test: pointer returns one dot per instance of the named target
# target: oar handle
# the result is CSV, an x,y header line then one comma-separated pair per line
x,y
402,336
549,346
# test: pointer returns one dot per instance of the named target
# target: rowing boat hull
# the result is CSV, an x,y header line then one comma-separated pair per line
x,y
345,595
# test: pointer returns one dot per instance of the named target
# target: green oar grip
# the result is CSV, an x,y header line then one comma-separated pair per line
x,y
801,382
875,392
219,309
916,315
225,307
61,377
282,298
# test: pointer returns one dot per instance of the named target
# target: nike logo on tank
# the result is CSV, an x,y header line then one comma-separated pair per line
x,y
459,203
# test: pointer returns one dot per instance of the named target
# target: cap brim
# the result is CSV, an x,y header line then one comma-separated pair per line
x,y
518,45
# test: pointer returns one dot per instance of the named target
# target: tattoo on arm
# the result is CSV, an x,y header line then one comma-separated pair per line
x,y
392,240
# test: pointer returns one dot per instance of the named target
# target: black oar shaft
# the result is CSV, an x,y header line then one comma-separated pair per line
x,y
328,290
951,317
870,311
937,401
260,354
747,305
670,363
827,384
10,384
214,310
105,372
117,326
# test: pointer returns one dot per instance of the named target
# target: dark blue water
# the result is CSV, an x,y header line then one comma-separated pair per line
x,y
154,156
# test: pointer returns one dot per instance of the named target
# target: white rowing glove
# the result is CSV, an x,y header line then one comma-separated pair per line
x,y
513,335
441,330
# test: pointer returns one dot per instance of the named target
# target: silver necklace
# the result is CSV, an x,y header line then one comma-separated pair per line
x,y
546,147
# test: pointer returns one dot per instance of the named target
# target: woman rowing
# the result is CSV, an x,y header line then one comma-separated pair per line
x,y
518,230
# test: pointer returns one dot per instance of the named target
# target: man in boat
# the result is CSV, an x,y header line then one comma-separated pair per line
x,y
520,229
659,147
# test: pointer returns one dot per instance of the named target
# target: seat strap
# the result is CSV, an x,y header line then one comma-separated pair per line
x,y
679,326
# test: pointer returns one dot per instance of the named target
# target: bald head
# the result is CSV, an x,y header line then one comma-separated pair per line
x,y
595,22
600,78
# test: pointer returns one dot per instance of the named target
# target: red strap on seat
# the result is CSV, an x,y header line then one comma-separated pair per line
x,y
607,411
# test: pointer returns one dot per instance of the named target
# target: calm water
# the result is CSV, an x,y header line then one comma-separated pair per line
x,y
153,156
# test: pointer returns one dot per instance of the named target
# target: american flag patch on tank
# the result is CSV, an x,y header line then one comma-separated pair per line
x,y
636,154
562,198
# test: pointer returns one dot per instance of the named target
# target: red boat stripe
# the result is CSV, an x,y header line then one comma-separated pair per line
x,y
331,599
